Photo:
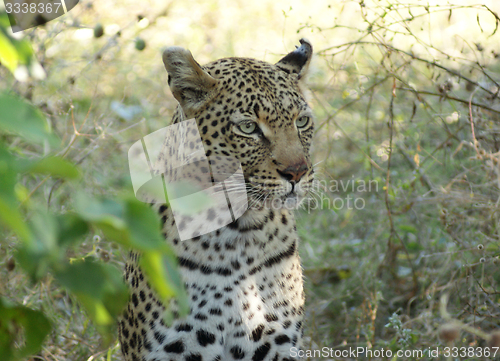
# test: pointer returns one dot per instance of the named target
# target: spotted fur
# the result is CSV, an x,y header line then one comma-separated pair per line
x,y
244,281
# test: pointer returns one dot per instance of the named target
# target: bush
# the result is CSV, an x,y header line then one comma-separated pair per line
x,y
45,238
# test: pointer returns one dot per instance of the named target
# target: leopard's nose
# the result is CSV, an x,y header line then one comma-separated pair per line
x,y
294,172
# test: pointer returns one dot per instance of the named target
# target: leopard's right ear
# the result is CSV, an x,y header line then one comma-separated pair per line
x,y
297,62
189,83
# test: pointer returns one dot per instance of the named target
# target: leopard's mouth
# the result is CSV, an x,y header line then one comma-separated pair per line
x,y
292,199
276,195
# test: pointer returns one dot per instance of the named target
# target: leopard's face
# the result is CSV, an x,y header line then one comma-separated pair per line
x,y
255,112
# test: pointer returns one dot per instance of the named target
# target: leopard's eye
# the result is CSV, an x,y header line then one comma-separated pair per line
x,y
248,127
302,122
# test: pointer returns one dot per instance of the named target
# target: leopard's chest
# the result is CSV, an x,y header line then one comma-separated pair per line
x,y
252,274
245,284
245,291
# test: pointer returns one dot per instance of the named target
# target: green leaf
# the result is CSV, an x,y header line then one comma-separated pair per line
x,y
162,273
10,216
414,246
408,228
99,287
144,225
135,225
106,211
155,265
45,229
493,247
25,120
86,277
131,223
52,234
71,228
8,53
55,166
42,252
16,52
36,264
17,323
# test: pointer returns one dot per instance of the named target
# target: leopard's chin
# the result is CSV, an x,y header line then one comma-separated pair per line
x,y
286,197
293,200
290,201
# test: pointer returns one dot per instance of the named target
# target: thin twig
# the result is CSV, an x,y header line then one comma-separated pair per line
x,y
415,57
393,232
474,139
425,179
446,96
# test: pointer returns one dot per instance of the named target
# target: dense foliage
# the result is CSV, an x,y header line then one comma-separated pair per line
x,y
44,236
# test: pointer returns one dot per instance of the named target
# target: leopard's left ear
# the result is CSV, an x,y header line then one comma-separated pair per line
x,y
298,60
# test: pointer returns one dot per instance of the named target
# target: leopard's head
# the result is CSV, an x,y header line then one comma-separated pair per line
x,y
255,112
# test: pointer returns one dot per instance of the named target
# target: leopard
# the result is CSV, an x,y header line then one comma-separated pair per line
x,y
244,280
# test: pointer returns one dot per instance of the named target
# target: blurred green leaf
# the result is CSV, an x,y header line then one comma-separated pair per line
x,y
408,228
15,53
71,228
104,211
44,226
37,256
55,166
25,120
144,225
34,262
9,56
493,247
130,222
10,217
4,20
143,233
21,323
10,166
414,246
100,289
161,270
51,236
155,263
